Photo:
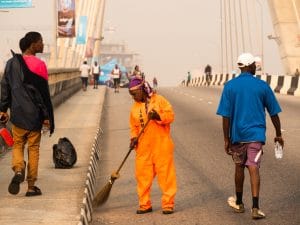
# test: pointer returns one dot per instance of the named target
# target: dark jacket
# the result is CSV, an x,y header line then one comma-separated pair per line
x,y
27,95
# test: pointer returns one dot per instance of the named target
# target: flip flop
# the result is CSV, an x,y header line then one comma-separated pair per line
x,y
35,192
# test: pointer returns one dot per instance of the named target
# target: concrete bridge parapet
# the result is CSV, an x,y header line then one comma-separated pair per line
x,y
288,85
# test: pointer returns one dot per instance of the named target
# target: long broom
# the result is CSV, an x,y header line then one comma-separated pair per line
x,y
103,194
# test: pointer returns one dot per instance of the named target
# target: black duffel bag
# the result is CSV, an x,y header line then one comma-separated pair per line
x,y
64,154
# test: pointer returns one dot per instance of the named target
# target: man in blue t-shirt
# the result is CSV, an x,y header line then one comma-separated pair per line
x,y
242,106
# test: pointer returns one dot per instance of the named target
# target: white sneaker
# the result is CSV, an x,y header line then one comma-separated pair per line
x,y
257,214
237,208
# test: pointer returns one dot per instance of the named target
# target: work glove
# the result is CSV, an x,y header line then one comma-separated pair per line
x,y
4,117
153,115
133,143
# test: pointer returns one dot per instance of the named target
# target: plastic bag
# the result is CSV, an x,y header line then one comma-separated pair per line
x,y
64,154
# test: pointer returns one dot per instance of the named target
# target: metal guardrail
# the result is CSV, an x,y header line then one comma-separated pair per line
x,y
90,182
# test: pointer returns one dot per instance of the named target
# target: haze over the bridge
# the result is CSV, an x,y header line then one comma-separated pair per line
x,y
174,37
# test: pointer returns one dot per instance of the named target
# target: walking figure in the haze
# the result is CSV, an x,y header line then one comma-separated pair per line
x,y
84,69
189,77
116,75
154,148
242,106
137,72
155,83
96,72
207,72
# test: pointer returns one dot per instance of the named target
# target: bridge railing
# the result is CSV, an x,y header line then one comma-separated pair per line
x,y
280,84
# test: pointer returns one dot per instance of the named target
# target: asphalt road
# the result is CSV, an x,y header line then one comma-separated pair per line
x,y
204,172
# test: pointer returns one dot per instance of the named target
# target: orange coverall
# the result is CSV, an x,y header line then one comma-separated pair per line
x,y
154,151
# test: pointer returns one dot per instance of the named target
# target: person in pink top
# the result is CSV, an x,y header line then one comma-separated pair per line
x,y
25,91
34,63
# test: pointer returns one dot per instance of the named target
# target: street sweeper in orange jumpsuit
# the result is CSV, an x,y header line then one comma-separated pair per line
x,y
154,148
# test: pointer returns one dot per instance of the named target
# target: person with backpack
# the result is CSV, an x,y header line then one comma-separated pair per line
x,y
25,91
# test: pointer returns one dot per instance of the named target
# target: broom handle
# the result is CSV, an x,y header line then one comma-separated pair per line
x,y
141,132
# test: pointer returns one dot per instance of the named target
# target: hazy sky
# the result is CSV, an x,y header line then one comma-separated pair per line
x,y
175,36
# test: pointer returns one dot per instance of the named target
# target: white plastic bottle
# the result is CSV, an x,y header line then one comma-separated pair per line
x,y
45,130
278,150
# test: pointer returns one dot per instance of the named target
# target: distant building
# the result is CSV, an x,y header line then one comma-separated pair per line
x,y
120,52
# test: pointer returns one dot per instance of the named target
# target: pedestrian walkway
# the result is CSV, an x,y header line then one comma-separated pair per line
x,y
63,189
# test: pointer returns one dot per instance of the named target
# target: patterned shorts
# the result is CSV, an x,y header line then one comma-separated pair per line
x,y
248,154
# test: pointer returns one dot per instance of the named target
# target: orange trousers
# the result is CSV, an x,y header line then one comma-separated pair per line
x,y
147,167
32,138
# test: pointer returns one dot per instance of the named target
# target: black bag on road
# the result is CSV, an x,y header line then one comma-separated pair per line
x,y
64,154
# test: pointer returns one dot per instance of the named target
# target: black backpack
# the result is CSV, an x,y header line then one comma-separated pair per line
x,y
64,154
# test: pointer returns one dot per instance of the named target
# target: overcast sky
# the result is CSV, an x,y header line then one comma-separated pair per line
x,y
173,36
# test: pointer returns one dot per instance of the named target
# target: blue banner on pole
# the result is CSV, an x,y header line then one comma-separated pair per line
x,y
81,35
15,3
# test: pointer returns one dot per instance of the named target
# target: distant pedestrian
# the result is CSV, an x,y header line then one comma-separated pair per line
x,y
155,83
85,70
207,72
25,91
155,148
242,106
137,72
96,72
116,75
189,77
297,73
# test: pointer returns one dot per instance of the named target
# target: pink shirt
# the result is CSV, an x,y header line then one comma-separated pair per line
x,y
36,65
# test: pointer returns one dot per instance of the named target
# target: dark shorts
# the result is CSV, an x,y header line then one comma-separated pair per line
x,y
247,154
116,81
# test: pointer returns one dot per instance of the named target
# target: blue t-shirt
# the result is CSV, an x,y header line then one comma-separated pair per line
x,y
243,101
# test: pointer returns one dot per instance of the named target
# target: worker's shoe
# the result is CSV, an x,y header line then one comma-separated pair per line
x,y
257,214
143,211
238,208
168,210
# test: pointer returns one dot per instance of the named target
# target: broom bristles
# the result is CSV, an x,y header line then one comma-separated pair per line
x,y
102,195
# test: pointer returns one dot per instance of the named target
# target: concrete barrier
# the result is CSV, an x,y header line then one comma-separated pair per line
x,y
294,85
288,85
279,85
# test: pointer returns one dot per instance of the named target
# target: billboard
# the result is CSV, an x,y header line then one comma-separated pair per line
x,y
15,3
66,18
